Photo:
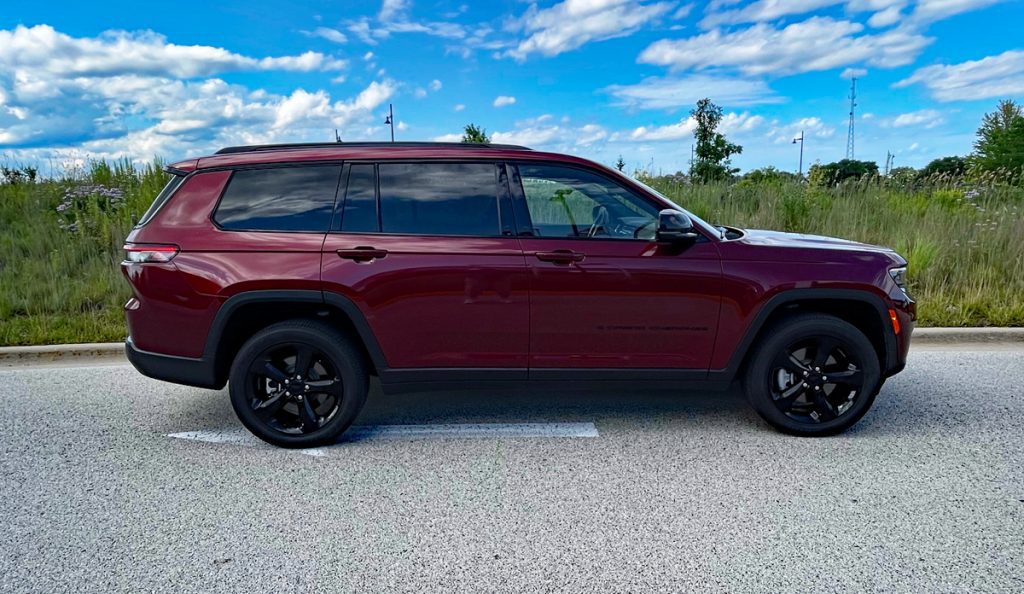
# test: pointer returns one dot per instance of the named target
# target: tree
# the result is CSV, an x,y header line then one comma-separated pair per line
x,y
832,174
1000,143
620,164
712,153
475,134
955,166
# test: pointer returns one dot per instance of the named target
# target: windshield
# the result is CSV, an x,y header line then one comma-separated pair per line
x,y
699,222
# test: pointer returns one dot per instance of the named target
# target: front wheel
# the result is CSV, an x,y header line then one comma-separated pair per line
x,y
813,375
298,384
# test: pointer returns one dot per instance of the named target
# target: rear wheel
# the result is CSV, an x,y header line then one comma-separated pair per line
x,y
813,375
298,384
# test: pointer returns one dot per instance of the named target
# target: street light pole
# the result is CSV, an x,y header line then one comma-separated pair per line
x,y
390,119
800,139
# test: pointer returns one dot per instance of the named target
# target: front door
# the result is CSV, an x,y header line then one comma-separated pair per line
x,y
603,294
427,252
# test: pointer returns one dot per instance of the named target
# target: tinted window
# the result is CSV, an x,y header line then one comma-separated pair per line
x,y
568,202
280,199
439,198
360,212
161,199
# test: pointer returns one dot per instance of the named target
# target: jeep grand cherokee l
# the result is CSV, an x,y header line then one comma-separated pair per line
x,y
293,273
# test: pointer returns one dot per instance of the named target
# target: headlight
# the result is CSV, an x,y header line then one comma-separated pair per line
x,y
899,276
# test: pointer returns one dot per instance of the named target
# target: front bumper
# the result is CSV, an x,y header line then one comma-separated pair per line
x,y
200,373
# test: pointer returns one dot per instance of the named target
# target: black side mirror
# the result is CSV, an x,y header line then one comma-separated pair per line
x,y
675,227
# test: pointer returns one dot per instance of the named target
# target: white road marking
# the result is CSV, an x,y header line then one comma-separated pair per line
x,y
239,436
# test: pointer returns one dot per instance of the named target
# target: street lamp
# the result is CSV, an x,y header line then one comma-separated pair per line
x,y
800,139
390,120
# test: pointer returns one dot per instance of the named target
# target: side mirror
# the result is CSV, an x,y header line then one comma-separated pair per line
x,y
675,227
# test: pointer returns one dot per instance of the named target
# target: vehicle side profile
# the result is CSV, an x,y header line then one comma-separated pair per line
x,y
294,273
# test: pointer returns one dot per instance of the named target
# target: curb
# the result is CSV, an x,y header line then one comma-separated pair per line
x,y
11,356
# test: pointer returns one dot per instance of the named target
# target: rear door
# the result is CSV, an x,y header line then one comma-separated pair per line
x,y
603,293
427,251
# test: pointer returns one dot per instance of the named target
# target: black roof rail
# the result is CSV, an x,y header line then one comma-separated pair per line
x,y
309,145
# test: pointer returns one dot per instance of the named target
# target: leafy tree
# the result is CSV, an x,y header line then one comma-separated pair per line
x,y
903,175
945,166
767,176
1000,143
620,164
475,134
713,151
832,174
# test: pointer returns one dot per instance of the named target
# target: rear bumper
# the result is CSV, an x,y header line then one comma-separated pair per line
x,y
169,368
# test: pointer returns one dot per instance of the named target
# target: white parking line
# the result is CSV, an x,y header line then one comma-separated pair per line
x,y
239,436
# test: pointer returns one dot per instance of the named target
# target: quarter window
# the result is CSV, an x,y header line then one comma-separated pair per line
x,y
439,198
569,202
297,198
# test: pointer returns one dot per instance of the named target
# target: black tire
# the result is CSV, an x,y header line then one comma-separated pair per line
x,y
310,411
783,386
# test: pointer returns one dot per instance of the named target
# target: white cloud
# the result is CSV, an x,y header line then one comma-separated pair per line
x,y
137,95
459,107
684,91
818,43
328,34
40,51
503,100
887,17
763,10
732,123
391,9
435,85
929,118
812,127
420,93
448,138
853,73
574,23
683,11
995,76
934,10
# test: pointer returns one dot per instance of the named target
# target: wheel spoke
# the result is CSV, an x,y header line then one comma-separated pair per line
x,y
789,396
852,377
308,416
795,366
303,360
823,349
274,373
269,407
823,408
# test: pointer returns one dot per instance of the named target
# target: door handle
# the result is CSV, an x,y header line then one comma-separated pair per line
x,y
362,254
560,256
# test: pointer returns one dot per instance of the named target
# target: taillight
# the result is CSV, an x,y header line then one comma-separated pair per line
x,y
149,253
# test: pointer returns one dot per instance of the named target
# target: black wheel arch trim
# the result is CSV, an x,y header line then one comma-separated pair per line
x,y
810,294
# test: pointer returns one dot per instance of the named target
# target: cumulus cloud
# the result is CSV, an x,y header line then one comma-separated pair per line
x,y
994,76
818,43
853,73
809,126
732,123
138,95
574,23
929,118
684,91
328,34
503,100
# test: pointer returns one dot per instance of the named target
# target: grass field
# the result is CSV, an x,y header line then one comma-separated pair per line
x,y
60,242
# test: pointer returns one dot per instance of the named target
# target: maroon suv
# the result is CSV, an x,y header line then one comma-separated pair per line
x,y
295,272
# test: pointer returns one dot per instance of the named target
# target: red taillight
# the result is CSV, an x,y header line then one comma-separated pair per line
x,y
145,254
895,321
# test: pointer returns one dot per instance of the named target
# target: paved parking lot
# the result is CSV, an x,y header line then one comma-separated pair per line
x,y
674,492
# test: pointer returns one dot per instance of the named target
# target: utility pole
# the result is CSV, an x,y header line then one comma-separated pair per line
x,y
853,107
390,119
800,139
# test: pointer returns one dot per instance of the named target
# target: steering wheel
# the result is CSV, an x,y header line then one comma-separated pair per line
x,y
636,232
599,221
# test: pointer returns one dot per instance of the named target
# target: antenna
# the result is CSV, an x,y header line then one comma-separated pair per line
x,y
853,107
336,137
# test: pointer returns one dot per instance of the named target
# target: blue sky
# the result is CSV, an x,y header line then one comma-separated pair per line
x,y
597,78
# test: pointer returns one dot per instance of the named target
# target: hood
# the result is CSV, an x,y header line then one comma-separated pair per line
x,y
801,240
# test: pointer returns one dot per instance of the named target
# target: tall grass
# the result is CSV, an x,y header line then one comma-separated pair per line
x,y
60,242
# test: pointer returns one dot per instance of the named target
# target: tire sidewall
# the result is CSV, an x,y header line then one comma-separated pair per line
x,y
332,344
782,336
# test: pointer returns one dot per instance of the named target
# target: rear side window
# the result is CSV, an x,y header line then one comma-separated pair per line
x,y
360,212
439,198
161,199
279,199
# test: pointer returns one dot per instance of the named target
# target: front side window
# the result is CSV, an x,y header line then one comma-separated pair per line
x,y
570,202
439,198
295,198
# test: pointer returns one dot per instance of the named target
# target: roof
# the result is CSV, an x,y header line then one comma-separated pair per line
x,y
309,145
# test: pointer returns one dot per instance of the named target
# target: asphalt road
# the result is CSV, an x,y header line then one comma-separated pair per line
x,y
676,493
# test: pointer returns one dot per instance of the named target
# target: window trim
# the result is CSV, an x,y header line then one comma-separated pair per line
x,y
522,209
503,194
235,169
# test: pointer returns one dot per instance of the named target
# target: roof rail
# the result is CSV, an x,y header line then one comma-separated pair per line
x,y
311,145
